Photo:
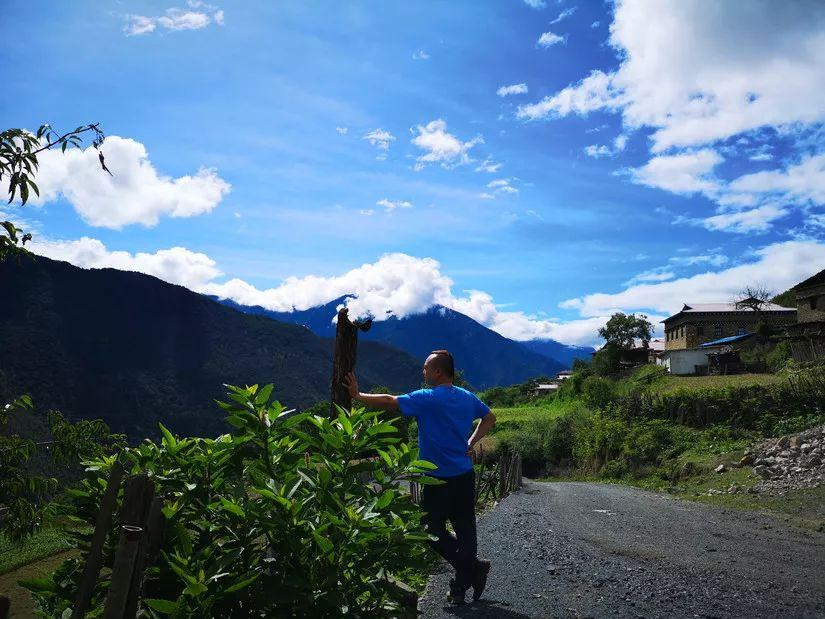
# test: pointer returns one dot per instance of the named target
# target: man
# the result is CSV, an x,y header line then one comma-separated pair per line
x,y
445,415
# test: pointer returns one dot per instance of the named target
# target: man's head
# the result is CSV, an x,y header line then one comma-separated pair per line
x,y
439,368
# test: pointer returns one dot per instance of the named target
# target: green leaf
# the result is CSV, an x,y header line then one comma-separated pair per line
x,y
241,584
323,542
382,428
233,507
385,457
168,439
263,395
195,589
167,607
424,480
385,499
423,464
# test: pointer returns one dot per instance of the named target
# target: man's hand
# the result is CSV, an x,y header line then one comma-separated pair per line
x,y
351,384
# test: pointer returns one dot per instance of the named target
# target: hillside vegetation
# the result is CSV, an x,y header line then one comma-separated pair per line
x,y
650,426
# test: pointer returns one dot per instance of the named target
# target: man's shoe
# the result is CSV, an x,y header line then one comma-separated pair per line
x,y
480,572
455,595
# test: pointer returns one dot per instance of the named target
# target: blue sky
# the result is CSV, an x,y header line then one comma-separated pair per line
x,y
650,154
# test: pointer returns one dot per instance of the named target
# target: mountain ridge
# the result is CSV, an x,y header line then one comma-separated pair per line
x,y
486,357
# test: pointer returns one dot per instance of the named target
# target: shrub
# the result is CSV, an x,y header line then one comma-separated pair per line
x,y
273,519
598,392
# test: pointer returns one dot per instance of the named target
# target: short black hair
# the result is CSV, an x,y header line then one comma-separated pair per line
x,y
444,361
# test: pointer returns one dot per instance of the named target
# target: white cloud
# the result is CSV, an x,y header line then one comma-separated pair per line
x,y
379,138
549,39
713,257
684,173
486,196
175,19
366,212
135,193
442,147
593,93
513,89
564,15
777,267
595,24
535,4
603,150
176,265
753,220
653,275
502,185
709,71
801,182
488,165
420,54
391,205
342,130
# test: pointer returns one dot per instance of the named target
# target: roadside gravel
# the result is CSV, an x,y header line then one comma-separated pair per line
x,y
597,550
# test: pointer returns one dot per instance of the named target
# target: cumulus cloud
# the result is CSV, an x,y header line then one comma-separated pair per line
x,y
198,15
549,39
802,182
719,69
513,89
684,173
135,193
420,54
594,92
391,205
442,147
401,285
176,265
535,4
777,267
488,165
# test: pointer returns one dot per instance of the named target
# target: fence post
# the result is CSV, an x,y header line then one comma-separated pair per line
x,y
132,517
94,558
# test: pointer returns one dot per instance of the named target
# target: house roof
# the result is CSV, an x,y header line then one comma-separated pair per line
x,y
698,308
657,345
725,340
814,280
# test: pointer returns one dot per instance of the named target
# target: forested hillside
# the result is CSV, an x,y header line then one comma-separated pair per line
x,y
132,350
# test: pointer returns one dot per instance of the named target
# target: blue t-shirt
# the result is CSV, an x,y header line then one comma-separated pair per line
x,y
445,417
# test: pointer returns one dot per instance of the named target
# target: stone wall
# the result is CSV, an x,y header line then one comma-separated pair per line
x,y
810,304
693,330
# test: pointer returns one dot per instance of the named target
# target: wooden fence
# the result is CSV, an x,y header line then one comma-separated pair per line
x,y
492,482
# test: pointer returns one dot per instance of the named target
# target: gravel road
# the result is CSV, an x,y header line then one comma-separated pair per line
x,y
593,550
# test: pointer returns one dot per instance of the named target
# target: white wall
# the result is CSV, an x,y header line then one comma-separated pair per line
x,y
684,361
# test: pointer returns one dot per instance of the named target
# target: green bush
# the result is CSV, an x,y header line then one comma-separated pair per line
x,y
273,519
597,391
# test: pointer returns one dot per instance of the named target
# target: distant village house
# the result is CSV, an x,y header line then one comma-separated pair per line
x,y
807,336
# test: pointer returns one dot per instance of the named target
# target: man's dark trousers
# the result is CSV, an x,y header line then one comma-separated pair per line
x,y
453,500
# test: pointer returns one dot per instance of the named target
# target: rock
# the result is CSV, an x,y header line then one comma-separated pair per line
x,y
720,469
794,441
783,441
805,447
747,459
762,471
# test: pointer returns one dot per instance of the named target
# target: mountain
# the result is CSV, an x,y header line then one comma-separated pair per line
x,y
563,353
487,358
134,350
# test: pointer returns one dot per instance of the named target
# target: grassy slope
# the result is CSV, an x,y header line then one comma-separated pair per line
x,y
804,508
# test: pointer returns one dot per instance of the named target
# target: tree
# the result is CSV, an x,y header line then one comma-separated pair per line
x,y
18,161
623,329
753,298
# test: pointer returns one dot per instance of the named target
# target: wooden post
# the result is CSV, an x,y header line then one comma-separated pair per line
x,y
343,359
94,558
133,515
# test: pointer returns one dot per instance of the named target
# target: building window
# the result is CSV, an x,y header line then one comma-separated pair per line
x,y
813,302
700,330
717,330
683,332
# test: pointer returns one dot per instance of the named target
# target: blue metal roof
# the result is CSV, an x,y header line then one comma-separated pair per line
x,y
726,340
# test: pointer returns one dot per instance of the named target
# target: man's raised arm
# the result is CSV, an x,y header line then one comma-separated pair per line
x,y
383,401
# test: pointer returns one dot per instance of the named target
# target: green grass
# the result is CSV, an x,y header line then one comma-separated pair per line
x,y
669,384
42,544
516,416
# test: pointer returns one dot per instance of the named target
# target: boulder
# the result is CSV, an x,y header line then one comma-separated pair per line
x,y
720,469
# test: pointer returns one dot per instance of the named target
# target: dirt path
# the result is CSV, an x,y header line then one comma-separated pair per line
x,y
594,550
21,603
